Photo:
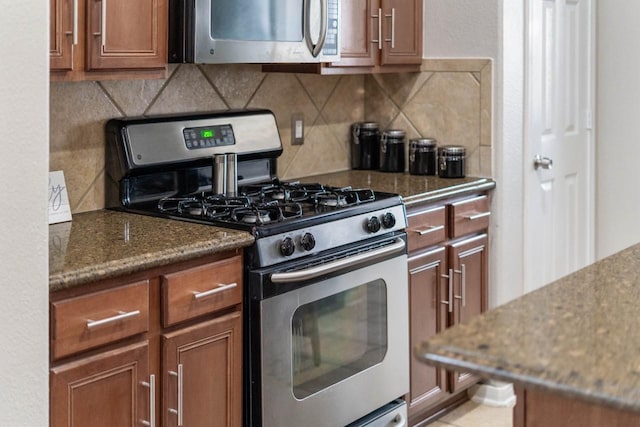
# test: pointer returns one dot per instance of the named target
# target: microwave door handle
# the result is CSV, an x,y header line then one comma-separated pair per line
x,y
317,48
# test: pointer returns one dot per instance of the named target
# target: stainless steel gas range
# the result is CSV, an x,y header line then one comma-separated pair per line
x,y
326,294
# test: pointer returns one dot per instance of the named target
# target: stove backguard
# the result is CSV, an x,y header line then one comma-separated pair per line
x,y
153,184
149,158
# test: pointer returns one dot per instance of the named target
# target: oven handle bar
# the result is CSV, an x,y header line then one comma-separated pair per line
x,y
330,267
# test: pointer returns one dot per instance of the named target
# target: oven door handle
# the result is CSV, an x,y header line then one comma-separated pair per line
x,y
330,267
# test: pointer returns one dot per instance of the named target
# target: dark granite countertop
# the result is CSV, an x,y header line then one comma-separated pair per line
x,y
579,336
413,188
104,244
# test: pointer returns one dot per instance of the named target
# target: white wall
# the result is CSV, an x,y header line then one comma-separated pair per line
x,y
461,28
618,129
24,148
493,29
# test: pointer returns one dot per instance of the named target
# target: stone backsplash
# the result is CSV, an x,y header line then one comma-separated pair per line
x,y
450,101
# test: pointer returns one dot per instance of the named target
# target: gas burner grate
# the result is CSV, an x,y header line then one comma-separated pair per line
x,y
260,214
287,192
343,197
213,206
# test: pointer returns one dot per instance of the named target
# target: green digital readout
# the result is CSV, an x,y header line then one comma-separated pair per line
x,y
207,133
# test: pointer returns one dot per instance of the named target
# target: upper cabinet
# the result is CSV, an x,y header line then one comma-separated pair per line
x,y
381,33
377,36
108,39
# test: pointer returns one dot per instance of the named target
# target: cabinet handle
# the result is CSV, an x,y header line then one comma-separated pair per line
x,y
393,27
152,401
180,400
180,395
450,280
121,316
379,18
478,216
431,229
463,284
103,30
75,22
220,288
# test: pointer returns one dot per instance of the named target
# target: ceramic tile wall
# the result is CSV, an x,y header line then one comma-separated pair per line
x,y
450,100
446,101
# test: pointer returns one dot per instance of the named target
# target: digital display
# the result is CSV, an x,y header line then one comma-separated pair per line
x,y
208,136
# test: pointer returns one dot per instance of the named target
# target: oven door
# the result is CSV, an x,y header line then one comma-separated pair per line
x,y
336,347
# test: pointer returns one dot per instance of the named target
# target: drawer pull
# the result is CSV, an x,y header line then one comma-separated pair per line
x,y
91,324
220,288
478,216
431,229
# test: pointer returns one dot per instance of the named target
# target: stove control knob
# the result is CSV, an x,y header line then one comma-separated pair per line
x,y
388,220
287,246
373,224
308,241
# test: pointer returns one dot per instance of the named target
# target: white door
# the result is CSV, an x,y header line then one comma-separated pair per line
x,y
559,185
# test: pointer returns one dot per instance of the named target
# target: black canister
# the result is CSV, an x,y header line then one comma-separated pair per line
x,y
422,156
451,161
392,151
365,145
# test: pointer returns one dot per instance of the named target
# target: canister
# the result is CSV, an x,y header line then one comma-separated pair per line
x,y
422,156
392,151
451,161
365,145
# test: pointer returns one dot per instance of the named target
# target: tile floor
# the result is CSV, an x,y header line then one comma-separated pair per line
x,y
472,414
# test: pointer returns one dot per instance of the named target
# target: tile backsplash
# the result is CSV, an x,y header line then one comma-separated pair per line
x,y
450,101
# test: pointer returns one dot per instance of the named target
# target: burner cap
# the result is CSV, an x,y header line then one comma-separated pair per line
x,y
255,216
332,200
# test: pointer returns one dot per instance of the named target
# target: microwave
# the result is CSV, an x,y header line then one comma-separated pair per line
x,y
254,31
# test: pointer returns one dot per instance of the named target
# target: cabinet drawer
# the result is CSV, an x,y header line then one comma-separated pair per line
x,y
91,320
190,293
469,216
426,228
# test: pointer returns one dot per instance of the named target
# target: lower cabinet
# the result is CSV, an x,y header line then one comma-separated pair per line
x,y
448,278
428,296
110,389
122,356
202,368
537,408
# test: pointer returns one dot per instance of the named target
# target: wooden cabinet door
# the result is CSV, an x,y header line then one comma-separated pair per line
x,y
401,32
428,316
358,29
470,263
106,390
202,367
61,34
125,34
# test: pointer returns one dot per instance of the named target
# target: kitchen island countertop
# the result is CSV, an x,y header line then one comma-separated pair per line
x,y
104,244
578,337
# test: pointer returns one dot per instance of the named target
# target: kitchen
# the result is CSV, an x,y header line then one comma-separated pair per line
x,y
22,318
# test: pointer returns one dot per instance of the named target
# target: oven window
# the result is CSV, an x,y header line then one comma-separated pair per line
x,y
264,20
338,336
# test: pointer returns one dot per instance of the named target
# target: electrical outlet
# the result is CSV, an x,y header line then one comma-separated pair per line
x,y
297,129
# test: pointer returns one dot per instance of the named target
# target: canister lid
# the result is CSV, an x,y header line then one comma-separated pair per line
x,y
452,150
422,142
368,125
394,133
